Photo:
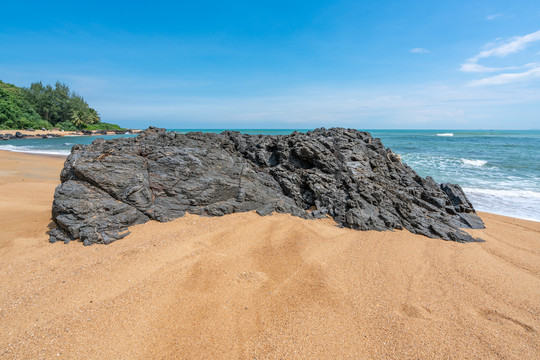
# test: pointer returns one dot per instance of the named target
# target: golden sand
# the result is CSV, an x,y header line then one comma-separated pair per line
x,y
251,287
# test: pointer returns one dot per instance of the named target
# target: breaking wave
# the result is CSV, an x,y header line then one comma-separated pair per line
x,y
523,204
474,162
32,150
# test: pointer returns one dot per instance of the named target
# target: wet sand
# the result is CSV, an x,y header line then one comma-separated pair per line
x,y
245,286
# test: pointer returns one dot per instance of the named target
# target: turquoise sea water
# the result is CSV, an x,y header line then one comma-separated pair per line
x,y
498,170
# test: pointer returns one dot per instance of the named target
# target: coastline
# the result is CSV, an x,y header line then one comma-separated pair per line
x,y
4,153
58,133
242,285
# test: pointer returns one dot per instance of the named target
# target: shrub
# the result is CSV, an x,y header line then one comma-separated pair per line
x,y
103,126
66,126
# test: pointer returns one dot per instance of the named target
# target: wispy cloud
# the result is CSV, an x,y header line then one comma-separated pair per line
x,y
494,16
474,67
502,49
509,77
511,46
418,51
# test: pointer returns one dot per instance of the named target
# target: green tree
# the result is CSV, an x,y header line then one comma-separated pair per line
x,y
58,106
16,112
78,118
93,116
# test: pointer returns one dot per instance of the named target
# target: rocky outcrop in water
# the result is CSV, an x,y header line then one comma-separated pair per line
x,y
345,174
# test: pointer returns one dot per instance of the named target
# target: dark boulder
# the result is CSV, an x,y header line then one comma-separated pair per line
x,y
86,132
50,136
345,174
19,135
123,132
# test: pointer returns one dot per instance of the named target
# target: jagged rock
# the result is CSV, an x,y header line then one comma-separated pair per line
x,y
346,174
89,213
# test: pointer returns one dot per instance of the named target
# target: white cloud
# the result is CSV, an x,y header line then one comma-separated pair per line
x,y
418,51
493,16
473,67
509,77
502,49
512,46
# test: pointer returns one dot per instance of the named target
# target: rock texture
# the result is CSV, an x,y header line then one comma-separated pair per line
x,y
346,174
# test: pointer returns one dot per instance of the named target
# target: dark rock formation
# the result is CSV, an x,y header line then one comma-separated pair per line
x,y
123,132
346,174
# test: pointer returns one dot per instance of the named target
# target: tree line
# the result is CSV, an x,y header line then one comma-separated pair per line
x,y
44,106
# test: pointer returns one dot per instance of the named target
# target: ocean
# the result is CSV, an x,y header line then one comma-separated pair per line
x,y
498,170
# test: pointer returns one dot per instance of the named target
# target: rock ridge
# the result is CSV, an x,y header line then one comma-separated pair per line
x,y
346,174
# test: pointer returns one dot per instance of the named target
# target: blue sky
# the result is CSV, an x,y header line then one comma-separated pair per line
x,y
285,64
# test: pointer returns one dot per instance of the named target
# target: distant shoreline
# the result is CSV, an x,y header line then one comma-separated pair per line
x,y
60,133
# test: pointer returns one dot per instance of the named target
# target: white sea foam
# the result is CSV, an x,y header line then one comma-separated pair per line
x,y
446,134
30,150
474,162
523,204
525,194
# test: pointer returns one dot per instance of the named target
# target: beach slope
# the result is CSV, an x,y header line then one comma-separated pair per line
x,y
245,286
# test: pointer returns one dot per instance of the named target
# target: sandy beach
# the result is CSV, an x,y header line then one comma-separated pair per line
x,y
39,133
251,287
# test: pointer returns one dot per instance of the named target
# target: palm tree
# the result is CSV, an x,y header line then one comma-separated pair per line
x,y
93,116
78,118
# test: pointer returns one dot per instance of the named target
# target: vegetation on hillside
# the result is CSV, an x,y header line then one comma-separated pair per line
x,y
15,111
44,106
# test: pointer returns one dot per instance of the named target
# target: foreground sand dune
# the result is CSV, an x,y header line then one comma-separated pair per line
x,y
245,286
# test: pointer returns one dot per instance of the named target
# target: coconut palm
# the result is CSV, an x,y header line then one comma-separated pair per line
x,y
78,118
